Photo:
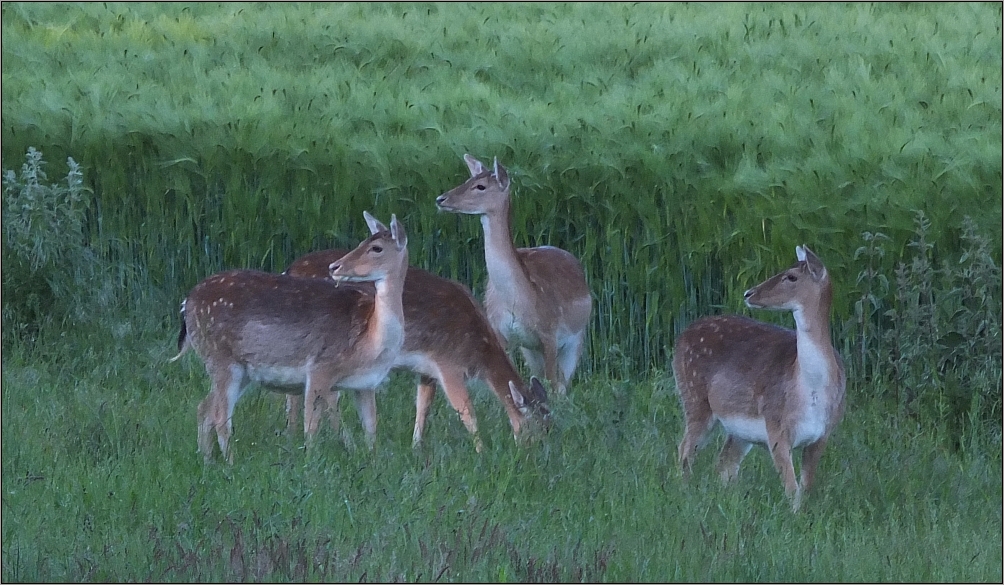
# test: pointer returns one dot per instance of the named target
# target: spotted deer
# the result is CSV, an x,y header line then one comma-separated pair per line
x,y
537,299
299,335
765,384
448,340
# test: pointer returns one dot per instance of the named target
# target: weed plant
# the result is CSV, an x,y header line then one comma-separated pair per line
x,y
45,259
936,338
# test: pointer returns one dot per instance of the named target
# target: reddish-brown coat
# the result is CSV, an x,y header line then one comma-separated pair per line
x,y
447,338
298,334
536,299
764,383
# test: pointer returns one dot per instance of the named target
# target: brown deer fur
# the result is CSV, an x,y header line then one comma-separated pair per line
x,y
765,384
447,338
537,298
298,334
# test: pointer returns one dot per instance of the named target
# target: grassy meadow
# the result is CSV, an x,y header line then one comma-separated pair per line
x,y
119,493
681,151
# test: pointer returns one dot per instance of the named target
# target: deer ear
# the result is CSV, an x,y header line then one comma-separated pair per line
x,y
812,262
398,233
538,389
474,165
375,225
501,175
517,396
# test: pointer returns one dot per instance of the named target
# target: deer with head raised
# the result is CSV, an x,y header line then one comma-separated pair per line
x,y
765,384
447,339
537,298
299,335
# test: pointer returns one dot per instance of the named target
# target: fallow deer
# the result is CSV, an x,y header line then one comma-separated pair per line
x,y
765,384
447,339
299,334
537,299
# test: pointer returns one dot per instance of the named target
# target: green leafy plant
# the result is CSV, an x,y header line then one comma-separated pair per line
x,y
44,255
874,285
43,223
939,337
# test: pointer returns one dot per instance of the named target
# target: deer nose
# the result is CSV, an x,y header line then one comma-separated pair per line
x,y
334,266
748,294
440,199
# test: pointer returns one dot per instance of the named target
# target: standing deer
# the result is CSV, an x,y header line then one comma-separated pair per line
x,y
765,384
537,298
291,333
447,339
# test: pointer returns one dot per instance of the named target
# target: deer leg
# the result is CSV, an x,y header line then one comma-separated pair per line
x,y
455,386
366,405
216,411
313,404
551,366
731,457
698,419
206,418
423,400
334,411
294,404
780,452
810,459
568,356
698,425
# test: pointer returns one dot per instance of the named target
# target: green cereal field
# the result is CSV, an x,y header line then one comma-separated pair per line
x,y
680,151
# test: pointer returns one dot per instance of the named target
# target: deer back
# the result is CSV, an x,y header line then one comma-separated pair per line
x,y
274,321
561,295
746,369
734,363
441,317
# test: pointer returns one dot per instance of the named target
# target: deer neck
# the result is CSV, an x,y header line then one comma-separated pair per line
x,y
817,364
386,329
498,372
505,269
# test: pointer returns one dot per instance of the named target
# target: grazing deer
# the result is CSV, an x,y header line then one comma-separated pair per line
x,y
447,339
536,298
765,384
299,334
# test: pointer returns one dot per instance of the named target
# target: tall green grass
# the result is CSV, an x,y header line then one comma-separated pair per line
x,y
102,482
681,151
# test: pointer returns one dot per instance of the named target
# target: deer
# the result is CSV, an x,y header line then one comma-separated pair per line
x,y
765,384
299,335
447,340
536,299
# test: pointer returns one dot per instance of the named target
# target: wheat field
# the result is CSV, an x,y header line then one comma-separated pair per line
x,y
681,151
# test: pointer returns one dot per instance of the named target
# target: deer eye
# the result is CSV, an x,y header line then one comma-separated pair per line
x,y
377,249
480,187
791,278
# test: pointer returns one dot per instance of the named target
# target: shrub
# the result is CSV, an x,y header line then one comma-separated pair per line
x,y
45,258
933,333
